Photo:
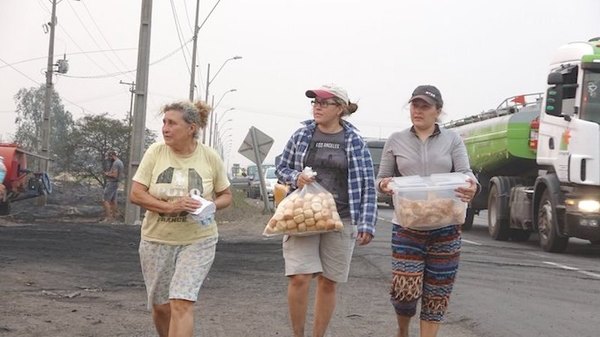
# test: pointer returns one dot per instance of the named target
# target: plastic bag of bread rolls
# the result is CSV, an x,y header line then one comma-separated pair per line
x,y
306,211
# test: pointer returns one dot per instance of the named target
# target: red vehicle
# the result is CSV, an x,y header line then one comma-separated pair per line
x,y
21,183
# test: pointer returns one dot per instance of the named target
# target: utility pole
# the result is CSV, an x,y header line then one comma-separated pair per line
x,y
193,70
47,118
206,101
132,212
132,91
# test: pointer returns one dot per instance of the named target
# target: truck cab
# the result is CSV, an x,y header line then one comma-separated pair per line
x,y
569,132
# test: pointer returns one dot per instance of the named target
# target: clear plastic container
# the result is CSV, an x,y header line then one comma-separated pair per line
x,y
429,202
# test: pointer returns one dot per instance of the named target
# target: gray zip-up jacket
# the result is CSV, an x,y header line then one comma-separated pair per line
x,y
405,153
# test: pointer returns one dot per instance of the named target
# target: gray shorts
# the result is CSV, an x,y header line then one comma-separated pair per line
x,y
175,272
328,254
110,190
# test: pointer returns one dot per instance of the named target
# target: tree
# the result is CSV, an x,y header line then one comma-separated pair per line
x,y
78,147
93,137
30,107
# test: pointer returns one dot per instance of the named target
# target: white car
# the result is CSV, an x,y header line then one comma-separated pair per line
x,y
270,181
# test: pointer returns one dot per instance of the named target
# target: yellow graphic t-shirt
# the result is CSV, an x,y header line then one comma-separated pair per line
x,y
169,176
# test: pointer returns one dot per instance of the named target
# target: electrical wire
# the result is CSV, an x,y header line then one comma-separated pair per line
x,y
102,35
91,36
130,71
20,72
81,49
180,35
187,17
59,55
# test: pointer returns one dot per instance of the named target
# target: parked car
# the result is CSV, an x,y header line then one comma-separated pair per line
x,y
375,146
270,181
254,181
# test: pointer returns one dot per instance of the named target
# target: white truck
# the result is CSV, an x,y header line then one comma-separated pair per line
x,y
538,156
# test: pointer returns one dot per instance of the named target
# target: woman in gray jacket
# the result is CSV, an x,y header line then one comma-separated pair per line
x,y
425,262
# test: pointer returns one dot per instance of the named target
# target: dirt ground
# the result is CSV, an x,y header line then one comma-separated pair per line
x,y
64,274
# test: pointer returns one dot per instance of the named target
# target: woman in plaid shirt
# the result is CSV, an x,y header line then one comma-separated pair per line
x,y
333,148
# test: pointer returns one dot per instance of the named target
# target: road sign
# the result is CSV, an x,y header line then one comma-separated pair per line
x,y
256,145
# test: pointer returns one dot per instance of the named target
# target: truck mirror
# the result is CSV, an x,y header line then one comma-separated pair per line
x,y
554,100
555,78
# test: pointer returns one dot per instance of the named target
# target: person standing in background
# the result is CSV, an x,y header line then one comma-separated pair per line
x,y
113,176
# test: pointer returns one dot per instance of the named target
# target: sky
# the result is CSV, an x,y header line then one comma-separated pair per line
x,y
476,52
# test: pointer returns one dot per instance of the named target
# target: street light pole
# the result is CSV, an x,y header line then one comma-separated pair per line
x,y
193,70
206,101
218,127
209,80
223,114
218,143
212,120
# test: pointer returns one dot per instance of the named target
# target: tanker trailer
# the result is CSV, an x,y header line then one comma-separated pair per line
x,y
538,160
499,146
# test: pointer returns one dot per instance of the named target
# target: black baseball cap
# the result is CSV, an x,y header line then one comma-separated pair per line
x,y
429,94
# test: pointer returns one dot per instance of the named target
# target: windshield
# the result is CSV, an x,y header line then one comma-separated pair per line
x,y
590,97
376,151
251,170
376,154
270,173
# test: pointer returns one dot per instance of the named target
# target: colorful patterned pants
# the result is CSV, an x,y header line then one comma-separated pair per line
x,y
424,264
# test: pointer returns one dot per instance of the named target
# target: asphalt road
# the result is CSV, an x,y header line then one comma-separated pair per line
x,y
504,289
516,289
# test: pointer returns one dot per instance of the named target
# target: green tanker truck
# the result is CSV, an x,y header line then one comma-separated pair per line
x,y
537,156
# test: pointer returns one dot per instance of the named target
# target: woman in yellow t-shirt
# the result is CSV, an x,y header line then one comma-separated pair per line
x,y
176,249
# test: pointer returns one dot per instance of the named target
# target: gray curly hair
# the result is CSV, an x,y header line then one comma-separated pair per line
x,y
193,113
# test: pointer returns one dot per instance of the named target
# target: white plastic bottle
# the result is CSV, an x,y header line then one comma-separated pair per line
x,y
2,170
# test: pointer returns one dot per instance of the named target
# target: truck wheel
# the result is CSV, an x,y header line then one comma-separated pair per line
x,y
5,208
468,224
497,225
550,240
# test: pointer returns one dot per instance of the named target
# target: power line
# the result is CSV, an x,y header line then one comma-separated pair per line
x,y
179,34
71,54
20,72
91,36
188,17
129,71
81,49
102,35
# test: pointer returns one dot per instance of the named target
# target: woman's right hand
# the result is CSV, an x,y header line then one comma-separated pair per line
x,y
186,203
384,186
304,179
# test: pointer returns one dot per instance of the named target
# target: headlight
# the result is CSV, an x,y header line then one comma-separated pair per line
x,y
591,206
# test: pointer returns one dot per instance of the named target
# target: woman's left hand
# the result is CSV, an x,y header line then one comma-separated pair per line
x,y
364,238
466,194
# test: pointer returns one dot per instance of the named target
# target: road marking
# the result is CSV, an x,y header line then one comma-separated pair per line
x,y
590,273
562,266
472,242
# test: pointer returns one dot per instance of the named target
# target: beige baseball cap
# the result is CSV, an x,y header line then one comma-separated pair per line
x,y
328,91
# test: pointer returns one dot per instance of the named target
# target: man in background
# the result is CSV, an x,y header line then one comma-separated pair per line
x,y
113,176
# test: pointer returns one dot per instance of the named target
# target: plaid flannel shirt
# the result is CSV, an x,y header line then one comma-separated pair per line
x,y
361,181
